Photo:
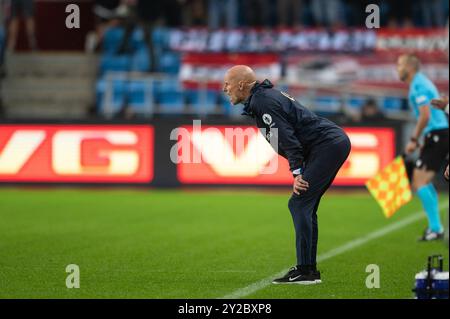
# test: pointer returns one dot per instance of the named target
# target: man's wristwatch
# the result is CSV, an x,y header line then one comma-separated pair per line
x,y
415,140
297,172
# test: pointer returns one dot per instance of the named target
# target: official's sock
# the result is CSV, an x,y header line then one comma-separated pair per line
x,y
436,199
433,192
429,199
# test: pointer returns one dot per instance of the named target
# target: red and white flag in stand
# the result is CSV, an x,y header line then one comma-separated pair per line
x,y
206,70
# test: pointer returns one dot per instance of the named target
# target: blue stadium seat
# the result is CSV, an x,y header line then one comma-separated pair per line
x,y
140,97
160,37
203,102
118,95
134,93
327,105
100,88
140,60
112,39
392,104
138,39
356,102
169,62
115,63
169,96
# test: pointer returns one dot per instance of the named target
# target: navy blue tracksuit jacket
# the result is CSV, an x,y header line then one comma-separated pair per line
x,y
299,129
314,147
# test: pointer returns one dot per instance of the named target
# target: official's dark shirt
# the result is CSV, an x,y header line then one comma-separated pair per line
x,y
298,130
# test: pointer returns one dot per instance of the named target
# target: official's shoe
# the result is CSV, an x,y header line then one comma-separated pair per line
x,y
295,276
429,235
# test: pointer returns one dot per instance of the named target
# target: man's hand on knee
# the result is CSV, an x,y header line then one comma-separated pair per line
x,y
300,184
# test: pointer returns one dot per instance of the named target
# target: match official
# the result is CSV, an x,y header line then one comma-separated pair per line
x,y
432,126
315,147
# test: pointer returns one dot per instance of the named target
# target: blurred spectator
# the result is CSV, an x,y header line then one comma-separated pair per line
x,y
149,14
24,8
105,17
256,13
432,13
105,9
370,112
399,13
284,13
289,13
172,12
193,12
222,13
327,13
132,16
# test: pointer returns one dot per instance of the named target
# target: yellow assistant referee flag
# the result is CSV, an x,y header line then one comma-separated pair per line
x,y
390,187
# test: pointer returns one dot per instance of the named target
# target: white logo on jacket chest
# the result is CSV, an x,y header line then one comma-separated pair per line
x,y
267,119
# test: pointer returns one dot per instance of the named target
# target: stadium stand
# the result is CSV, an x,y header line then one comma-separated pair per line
x,y
128,74
165,93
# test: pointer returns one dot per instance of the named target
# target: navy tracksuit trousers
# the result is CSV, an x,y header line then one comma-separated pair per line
x,y
321,167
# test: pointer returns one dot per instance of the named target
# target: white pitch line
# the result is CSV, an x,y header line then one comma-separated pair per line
x,y
242,292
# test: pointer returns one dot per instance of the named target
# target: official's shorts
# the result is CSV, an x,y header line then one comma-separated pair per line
x,y
434,153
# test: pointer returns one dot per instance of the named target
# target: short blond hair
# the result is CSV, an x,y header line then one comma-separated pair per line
x,y
412,60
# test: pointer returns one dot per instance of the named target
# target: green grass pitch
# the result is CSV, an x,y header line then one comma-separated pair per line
x,y
197,244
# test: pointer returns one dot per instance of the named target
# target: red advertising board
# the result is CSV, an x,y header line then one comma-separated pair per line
x,y
210,156
76,153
